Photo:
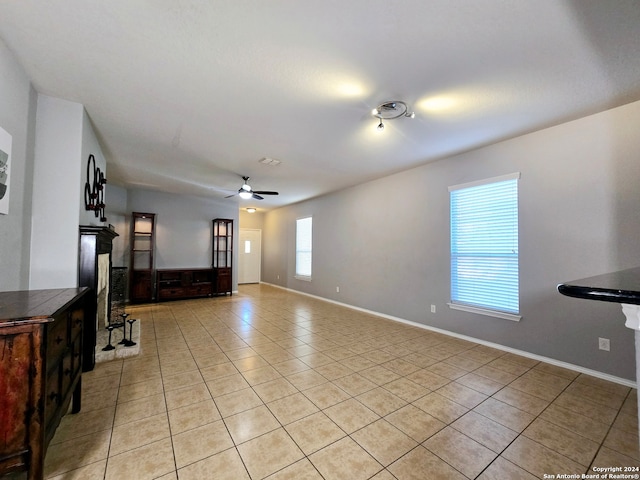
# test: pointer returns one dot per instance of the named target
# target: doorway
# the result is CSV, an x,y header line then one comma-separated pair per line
x,y
250,255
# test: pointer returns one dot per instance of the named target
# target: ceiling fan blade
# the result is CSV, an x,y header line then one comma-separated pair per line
x,y
257,197
264,192
232,195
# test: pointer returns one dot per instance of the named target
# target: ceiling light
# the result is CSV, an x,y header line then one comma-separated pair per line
x,y
245,193
391,111
351,90
251,210
439,103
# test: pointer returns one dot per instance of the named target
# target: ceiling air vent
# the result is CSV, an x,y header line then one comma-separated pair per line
x,y
272,162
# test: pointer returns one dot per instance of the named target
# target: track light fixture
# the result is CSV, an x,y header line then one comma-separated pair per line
x,y
391,111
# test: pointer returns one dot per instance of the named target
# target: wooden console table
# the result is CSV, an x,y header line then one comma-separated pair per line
x,y
180,283
41,337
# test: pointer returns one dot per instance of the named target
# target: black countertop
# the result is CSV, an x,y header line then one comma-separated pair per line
x,y
618,287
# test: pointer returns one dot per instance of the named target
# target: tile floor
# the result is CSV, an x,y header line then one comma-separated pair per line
x,y
271,384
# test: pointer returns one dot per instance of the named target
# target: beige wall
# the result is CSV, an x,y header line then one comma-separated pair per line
x,y
251,220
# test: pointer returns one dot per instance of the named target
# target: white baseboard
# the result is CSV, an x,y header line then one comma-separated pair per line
x,y
522,353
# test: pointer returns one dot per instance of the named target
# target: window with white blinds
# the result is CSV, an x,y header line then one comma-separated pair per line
x,y
303,247
484,246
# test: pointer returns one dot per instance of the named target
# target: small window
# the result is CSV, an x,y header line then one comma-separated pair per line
x,y
247,246
303,247
484,247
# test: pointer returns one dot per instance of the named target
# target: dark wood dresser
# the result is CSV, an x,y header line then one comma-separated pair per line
x,y
41,337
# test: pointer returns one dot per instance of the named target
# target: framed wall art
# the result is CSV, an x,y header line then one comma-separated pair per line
x,y
5,174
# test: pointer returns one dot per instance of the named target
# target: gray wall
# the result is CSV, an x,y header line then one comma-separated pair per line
x,y
64,139
56,194
90,146
183,226
17,116
51,140
386,243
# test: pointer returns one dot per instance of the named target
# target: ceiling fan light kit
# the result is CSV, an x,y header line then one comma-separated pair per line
x,y
391,111
246,192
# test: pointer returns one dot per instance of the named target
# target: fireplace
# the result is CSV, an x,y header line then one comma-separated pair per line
x,y
94,271
103,290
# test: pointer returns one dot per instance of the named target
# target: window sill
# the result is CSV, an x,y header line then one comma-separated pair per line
x,y
486,312
302,277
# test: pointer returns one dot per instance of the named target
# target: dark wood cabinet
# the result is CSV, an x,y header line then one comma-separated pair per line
x,y
41,340
175,284
222,261
223,283
141,289
141,282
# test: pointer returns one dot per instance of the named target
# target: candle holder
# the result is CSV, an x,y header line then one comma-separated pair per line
x,y
130,342
109,346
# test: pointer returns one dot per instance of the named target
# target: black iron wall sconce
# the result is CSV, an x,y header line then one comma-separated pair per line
x,y
94,189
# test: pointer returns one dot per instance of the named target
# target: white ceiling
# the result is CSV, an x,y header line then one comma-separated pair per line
x,y
187,95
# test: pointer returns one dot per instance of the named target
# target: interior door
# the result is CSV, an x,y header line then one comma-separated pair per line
x,y
250,255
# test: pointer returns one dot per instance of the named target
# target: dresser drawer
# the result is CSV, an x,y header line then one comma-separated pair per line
x,y
76,356
67,373
176,292
199,291
52,394
76,321
57,337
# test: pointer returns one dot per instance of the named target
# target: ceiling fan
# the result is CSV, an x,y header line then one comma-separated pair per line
x,y
246,192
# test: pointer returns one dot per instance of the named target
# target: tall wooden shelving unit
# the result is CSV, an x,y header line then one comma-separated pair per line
x,y
222,249
141,279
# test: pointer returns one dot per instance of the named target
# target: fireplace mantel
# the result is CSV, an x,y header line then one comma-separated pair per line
x,y
94,241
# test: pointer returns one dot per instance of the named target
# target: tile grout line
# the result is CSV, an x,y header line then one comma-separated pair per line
x,y
164,393
232,323
235,446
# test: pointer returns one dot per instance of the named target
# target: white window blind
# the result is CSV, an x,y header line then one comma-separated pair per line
x,y
484,244
303,246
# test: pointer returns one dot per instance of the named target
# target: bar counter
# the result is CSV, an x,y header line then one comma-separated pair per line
x,y
621,287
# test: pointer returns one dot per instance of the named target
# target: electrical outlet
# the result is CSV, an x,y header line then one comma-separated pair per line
x,y
433,309
337,289
278,277
604,344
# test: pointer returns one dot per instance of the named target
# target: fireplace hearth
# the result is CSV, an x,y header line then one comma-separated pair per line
x,y
120,351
